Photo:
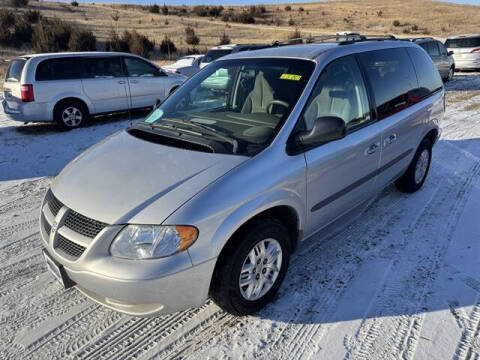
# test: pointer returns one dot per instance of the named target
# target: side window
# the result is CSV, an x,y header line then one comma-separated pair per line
x,y
443,49
429,79
137,67
103,67
59,69
434,51
392,77
340,92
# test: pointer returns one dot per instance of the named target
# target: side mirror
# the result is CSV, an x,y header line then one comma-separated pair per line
x,y
325,129
450,53
157,104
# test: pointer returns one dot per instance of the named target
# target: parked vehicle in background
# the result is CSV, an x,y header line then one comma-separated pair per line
x,y
186,65
217,52
466,51
442,58
211,194
70,87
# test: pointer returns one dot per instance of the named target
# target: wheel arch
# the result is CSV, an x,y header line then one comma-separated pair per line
x,y
63,99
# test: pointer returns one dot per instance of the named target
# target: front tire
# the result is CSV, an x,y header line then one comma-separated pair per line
x,y
450,74
252,268
413,179
70,114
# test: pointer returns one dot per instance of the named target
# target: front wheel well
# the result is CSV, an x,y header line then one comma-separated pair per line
x,y
432,136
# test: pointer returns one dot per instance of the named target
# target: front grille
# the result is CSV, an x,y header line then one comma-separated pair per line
x,y
54,204
69,247
46,225
83,225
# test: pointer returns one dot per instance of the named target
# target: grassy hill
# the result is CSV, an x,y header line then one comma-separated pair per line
x,y
261,23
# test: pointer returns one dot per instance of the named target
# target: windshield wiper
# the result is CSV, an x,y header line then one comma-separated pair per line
x,y
206,129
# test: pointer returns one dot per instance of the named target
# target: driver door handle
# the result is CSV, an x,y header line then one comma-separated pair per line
x,y
372,148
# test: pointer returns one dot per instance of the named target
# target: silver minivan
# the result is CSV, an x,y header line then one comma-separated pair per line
x,y
68,88
214,190
466,51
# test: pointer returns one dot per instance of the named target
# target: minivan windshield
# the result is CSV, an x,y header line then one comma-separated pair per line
x,y
241,103
466,42
14,71
213,55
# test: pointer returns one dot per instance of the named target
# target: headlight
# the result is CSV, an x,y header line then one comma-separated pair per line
x,y
151,241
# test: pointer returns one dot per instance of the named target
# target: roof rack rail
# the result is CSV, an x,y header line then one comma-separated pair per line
x,y
341,39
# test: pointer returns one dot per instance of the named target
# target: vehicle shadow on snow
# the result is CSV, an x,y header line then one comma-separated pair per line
x,y
464,81
41,149
367,268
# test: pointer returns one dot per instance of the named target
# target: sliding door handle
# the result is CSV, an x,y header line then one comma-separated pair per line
x,y
372,148
389,139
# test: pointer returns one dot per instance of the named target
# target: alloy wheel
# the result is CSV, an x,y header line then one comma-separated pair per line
x,y
260,269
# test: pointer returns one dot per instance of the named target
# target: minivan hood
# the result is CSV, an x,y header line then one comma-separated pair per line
x,y
128,180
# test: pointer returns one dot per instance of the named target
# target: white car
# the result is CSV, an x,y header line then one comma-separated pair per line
x,y
68,88
466,51
186,65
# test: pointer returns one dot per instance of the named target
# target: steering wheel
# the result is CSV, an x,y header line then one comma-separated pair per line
x,y
276,102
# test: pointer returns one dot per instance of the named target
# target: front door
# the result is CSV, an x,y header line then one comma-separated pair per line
x,y
342,173
146,82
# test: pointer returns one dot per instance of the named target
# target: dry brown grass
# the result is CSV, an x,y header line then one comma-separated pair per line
x,y
431,18
461,96
439,19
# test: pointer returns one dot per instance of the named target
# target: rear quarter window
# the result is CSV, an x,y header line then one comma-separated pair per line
x,y
59,69
467,42
14,72
429,79
392,77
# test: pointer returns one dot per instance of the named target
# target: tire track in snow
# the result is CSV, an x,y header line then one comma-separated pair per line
x,y
404,338
469,344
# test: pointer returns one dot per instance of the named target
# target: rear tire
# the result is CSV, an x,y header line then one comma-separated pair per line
x,y
262,274
413,179
70,114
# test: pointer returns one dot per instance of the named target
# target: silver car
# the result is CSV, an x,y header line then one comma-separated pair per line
x,y
442,58
466,51
68,88
187,65
214,190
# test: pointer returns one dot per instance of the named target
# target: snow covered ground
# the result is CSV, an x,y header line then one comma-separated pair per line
x,y
400,282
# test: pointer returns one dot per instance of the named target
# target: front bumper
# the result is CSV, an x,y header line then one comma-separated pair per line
x,y
135,287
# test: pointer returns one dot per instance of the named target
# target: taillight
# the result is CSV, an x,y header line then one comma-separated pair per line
x,y
27,92
477,50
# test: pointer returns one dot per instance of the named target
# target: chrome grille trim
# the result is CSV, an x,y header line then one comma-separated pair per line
x,y
83,225
46,225
68,247
53,203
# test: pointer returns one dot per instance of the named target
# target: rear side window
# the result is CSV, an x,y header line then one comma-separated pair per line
x,y
428,77
467,42
59,69
103,67
14,72
392,77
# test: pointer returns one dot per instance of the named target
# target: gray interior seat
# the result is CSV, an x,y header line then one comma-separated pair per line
x,y
259,97
333,100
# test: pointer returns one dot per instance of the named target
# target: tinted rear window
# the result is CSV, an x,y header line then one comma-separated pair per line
x,y
59,69
14,72
103,67
428,77
213,55
469,42
392,77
